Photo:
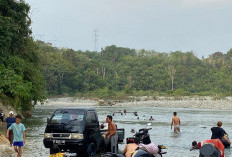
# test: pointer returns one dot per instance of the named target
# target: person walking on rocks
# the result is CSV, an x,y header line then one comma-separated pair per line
x,y
9,121
176,122
19,135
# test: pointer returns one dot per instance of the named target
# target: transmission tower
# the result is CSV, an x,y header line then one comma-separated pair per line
x,y
95,36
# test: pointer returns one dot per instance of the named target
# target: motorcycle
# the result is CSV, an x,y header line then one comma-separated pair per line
x,y
143,137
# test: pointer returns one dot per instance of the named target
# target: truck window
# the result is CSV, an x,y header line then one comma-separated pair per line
x,y
67,116
91,117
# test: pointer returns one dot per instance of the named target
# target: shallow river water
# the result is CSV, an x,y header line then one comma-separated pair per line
x,y
196,125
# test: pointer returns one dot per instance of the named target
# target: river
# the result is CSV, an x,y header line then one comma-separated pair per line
x,y
196,124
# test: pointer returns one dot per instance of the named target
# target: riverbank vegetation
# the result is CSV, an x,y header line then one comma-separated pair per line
x,y
30,70
21,80
117,72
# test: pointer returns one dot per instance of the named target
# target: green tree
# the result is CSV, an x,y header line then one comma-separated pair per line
x,y
23,83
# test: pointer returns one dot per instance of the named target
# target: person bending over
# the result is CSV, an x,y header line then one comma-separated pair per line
x,y
130,148
55,151
215,142
219,133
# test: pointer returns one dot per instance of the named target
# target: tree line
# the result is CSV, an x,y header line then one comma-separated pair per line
x,y
118,69
21,82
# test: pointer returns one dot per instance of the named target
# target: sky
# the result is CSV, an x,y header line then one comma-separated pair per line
x,y
201,26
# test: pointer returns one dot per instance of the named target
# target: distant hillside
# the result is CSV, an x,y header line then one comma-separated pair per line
x,y
117,69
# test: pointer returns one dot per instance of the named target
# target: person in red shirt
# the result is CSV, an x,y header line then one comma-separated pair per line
x,y
215,142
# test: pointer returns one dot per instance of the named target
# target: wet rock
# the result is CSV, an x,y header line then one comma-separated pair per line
x,y
101,103
110,103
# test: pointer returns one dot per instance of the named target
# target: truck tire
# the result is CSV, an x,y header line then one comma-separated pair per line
x,y
91,150
50,150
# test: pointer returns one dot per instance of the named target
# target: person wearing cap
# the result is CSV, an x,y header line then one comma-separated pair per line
x,y
215,142
10,120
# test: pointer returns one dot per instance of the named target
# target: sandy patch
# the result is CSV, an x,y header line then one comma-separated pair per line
x,y
5,149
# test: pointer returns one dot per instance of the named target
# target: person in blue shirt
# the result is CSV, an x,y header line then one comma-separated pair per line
x,y
10,120
19,135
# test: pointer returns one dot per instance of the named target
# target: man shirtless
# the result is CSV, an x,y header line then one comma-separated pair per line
x,y
130,148
176,122
111,134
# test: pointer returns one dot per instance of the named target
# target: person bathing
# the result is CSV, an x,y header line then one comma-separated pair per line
x,y
176,122
219,133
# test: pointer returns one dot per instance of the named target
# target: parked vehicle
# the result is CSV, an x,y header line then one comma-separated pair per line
x,y
143,137
76,130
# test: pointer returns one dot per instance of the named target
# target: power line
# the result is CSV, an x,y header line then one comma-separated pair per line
x,y
95,36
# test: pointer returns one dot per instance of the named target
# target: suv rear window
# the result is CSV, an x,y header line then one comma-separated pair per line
x,y
91,117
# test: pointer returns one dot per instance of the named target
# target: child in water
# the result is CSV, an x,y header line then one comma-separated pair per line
x,y
55,152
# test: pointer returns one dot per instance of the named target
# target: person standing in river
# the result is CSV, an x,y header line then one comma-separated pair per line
x,y
9,121
176,122
111,134
124,111
19,135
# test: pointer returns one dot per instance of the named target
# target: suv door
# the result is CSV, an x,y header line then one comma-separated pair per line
x,y
92,120
92,132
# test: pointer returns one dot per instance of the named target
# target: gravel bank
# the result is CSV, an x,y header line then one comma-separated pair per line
x,y
165,102
70,101
195,103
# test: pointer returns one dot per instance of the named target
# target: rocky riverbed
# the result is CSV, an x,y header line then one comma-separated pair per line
x,y
207,103
165,102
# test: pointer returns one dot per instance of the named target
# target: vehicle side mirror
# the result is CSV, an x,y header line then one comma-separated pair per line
x,y
48,120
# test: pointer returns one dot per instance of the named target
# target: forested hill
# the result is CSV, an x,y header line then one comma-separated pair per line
x,y
21,80
127,71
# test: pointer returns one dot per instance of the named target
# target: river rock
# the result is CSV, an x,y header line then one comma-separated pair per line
x,y
101,102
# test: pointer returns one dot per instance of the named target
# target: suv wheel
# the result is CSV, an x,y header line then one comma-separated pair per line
x,y
91,150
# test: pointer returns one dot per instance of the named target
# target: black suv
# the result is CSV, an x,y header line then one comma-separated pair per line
x,y
75,130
